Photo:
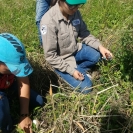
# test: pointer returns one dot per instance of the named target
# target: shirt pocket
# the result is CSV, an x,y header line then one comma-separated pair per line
x,y
64,40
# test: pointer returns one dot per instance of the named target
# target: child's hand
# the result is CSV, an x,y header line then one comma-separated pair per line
x,y
26,124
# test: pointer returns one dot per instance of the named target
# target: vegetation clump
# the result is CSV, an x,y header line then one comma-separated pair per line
x,y
109,107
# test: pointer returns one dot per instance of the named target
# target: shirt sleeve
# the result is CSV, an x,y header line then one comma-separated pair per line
x,y
49,38
86,37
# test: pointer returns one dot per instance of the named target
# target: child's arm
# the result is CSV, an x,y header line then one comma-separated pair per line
x,y
24,96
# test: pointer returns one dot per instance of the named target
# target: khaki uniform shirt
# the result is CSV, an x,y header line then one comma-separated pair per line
x,y
61,38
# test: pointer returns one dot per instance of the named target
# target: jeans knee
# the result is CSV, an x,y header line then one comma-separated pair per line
x,y
86,87
86,90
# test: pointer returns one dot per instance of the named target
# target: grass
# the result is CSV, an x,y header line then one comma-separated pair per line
x,y
109,108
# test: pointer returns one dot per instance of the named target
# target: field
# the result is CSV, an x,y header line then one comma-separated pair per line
x,y
109,108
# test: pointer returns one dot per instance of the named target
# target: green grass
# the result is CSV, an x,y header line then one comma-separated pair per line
x,y
109,108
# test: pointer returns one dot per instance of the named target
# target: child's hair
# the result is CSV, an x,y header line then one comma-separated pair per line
x,y
1,62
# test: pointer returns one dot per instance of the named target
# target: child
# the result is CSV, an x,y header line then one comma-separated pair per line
x,y
14,67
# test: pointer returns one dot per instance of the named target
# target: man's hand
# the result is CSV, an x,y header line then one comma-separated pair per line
x,y
105,52
26,124
77,75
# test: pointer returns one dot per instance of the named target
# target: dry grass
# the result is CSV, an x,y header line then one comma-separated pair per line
x,y
67,111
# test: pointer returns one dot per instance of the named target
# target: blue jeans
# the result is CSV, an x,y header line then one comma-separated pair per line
x,y
85,59
5,117
42,6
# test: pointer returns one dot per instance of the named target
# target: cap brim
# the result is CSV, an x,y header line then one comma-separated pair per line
x,y
21,70
76,2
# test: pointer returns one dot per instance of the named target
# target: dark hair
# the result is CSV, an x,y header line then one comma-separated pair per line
x,y
1,62
62,0
53,2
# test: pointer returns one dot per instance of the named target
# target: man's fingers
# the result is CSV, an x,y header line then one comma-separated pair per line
x,y
80,76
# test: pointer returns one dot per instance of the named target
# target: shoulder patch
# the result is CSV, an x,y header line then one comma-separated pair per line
x,y
76,22
44,29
